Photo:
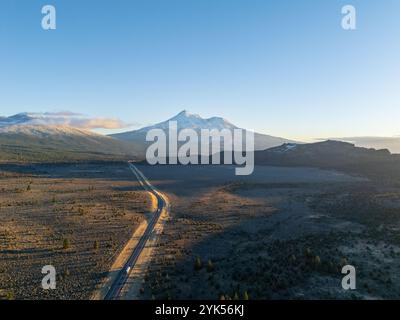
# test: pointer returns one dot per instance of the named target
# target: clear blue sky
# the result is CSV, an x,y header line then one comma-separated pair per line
x,y
281,67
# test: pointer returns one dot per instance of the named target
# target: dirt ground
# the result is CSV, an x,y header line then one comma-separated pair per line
x,y
76,218
282,233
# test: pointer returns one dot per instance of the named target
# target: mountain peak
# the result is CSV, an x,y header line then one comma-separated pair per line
x,y
185,114
19,118
188,120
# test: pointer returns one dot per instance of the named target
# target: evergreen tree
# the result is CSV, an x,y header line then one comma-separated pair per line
x,y
198,265
210,266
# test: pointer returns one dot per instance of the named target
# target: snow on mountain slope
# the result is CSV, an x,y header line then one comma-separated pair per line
x,y
32,133
62,118
186,120
42,131
27,142
20,118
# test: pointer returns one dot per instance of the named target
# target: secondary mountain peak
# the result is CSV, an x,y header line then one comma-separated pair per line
x,y
20,118
188,120
38,137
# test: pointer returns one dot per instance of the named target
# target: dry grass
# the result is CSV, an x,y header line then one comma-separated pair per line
x,y
280,240
78,225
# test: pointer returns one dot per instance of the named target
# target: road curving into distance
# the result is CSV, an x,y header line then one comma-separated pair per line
x,y
162,205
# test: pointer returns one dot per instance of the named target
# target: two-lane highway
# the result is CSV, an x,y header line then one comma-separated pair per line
x,y
115,290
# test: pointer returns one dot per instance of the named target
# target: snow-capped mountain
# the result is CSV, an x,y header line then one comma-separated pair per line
x,y
62,118
186,120
43,136
44,131
20,118
24,137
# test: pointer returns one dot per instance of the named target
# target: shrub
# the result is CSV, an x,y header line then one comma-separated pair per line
x,y
317,261
10,296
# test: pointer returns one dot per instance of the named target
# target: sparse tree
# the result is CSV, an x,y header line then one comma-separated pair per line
x,y
198,264
210,266
245,296
317,261
65,243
